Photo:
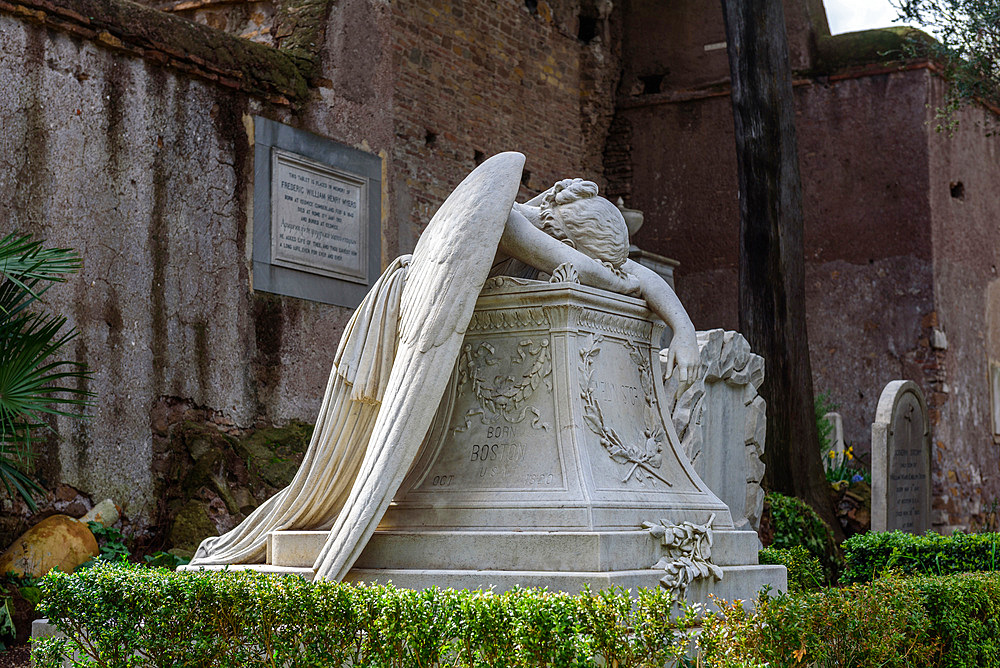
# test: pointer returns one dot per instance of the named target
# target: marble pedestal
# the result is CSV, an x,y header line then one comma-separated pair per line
x,y
549,452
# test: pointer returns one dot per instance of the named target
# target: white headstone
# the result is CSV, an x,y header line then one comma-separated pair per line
x,y
995,396
901,460
836,433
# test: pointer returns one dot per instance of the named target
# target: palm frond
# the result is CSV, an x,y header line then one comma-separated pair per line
x,y
34,382
15,480
14,299
29,384
24,262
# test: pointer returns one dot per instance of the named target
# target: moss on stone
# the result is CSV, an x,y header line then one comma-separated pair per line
x,y
258,69
209,466
274,453
191,526
301,26
865,47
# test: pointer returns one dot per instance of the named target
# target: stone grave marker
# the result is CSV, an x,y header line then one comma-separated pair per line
x,y
837,434
901,460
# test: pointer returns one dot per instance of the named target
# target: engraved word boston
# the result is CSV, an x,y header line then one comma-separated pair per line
x,y
318,221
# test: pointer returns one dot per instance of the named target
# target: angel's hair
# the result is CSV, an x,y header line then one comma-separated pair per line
x,y
573,212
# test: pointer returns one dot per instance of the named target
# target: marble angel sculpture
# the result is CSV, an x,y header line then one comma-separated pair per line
x,y
399,349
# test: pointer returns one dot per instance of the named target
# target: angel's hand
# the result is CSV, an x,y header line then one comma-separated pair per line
x,y
684,355
623,282
632,286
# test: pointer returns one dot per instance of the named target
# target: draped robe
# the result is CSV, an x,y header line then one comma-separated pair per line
x,y
340,438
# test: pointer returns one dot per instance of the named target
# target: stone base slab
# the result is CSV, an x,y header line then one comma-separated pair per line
x,y
738,582
547,551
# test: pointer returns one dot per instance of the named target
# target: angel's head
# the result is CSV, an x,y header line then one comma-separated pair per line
x,y
573,212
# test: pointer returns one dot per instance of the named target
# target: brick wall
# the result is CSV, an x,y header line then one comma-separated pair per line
x,y
477,77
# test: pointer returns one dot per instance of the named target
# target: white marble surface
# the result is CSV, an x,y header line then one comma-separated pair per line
x,y
560,380
722,421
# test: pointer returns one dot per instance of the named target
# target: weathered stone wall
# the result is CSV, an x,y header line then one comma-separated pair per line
x,y
137,153
680,45
136,150
128,136
900,223
144,173
468,79
964,170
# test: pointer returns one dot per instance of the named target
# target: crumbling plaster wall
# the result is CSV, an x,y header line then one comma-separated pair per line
x,y
965,170
139,155
148,173
468,79
144,173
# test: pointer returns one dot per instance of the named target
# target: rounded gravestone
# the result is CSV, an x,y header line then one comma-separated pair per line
x,y
901,460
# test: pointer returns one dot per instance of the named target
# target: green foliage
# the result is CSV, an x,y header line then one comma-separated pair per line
x,y
804,570
879,625
951,621
822,405
796,523
870,554
165,560
837,466
110,542
31,385
7,629
12,586
967,49
119,614
965,616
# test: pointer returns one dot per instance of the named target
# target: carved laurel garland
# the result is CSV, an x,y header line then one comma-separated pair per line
x,y
507,394
645,459
688,553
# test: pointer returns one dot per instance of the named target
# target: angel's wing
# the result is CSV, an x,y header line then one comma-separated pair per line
x,y
449,266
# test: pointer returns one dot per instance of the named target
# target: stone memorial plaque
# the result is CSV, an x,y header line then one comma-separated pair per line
x,y
317,219
901,461
316,216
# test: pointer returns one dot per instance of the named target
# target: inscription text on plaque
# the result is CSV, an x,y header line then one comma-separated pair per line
x,y
318,219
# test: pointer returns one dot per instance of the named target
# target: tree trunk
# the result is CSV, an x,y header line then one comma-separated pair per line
x,y
772,266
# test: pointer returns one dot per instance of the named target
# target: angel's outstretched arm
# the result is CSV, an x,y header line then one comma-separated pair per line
x,y
527,243
663,302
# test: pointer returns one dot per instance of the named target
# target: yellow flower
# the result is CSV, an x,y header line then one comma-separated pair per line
x,y
832,454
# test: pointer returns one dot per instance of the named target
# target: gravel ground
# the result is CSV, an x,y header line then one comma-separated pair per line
x,y
18,656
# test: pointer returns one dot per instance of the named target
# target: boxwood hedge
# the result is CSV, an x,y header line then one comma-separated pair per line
x,y
119,615
867,555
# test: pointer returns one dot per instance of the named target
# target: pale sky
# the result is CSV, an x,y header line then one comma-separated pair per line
x,y
851,15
